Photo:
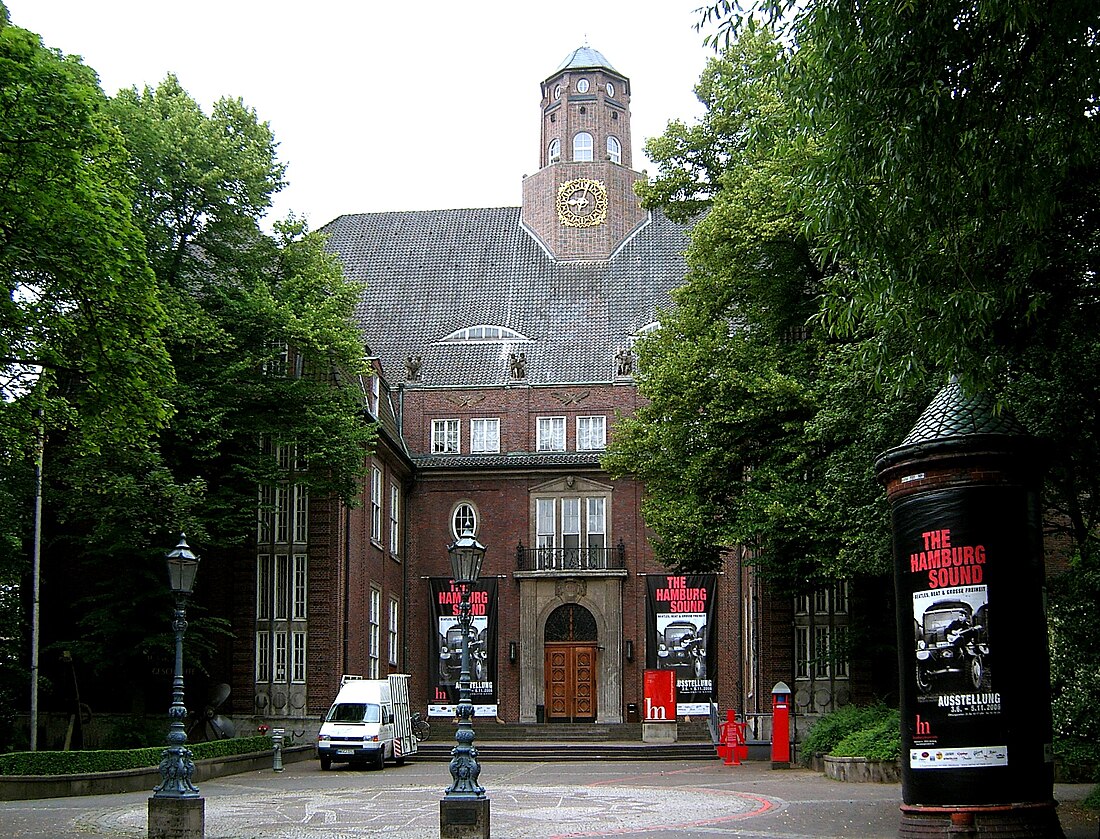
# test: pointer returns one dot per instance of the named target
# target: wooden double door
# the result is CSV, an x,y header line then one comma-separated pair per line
x,y
570,669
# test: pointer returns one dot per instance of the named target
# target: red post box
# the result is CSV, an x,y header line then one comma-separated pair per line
x,y
781,726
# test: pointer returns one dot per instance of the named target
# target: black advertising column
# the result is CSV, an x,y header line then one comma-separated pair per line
x,y
972,643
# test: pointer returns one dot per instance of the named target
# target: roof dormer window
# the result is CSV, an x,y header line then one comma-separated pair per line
x,y
484,333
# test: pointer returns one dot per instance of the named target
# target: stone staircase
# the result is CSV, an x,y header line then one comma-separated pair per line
x,y
563,742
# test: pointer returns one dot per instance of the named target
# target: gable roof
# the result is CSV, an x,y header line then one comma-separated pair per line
x,y
427,274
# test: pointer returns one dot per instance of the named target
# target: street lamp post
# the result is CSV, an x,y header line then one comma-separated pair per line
x,y
464,810
176,809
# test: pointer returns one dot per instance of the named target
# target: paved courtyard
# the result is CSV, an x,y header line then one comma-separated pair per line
x,y
681,800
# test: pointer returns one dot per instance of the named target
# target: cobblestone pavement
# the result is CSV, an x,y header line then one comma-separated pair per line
x,y
678,800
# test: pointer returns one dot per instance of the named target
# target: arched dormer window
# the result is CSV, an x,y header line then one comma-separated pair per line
x,y
582,146
554,152
614,150
642,332
484,333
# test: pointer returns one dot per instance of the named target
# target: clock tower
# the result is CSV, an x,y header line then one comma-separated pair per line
x,y
581,203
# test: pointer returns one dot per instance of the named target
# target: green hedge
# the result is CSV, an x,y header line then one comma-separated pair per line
x,y
879,741
110,760
832,729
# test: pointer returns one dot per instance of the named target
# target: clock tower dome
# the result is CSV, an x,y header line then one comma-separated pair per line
x,y
581,203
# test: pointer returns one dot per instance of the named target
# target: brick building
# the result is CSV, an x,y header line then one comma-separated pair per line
x,y
502,342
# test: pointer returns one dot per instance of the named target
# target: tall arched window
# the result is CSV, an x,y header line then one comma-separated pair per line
x,y
554,150
614,150
582,146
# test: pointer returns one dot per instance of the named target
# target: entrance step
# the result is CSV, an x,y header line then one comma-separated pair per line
x,y
686,732
565,741
499,751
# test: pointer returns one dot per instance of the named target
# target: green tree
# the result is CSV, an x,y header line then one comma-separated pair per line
x,y
759,430
261,337
953,180
81,355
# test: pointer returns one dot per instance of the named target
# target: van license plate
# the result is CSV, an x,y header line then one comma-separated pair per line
x,y
345,751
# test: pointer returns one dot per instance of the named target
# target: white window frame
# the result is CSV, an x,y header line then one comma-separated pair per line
x,y
374,639
591,433
582,146
395,520
283,495
375,394
265,517
281,662
299,595
571,523
393,627
484,435
376,505
802,653
546,525
614,150
554,151
464,514
596,521
820,640
446,436
551,434
263,587
263,656
301,514
298,657
281,607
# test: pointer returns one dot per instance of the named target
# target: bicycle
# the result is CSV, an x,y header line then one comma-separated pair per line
x,y
421,729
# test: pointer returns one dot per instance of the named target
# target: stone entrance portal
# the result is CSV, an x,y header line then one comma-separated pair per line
x,y
571,646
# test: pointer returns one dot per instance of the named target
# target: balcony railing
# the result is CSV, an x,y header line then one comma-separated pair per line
x,y
570,559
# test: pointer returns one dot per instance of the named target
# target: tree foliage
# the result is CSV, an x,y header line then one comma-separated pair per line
x,y
760,430
243,307
176,336
80,300
947,172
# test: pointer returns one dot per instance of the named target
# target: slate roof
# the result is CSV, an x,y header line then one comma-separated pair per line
x,y
584,58
426,274
954,413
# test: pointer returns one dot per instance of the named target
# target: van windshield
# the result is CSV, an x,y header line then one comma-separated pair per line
x,y
354,712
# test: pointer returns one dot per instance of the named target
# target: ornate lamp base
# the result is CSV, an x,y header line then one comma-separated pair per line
x,y
466,818
177,818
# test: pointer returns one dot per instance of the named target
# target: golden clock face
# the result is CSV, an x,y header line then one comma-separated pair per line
x,y
582,203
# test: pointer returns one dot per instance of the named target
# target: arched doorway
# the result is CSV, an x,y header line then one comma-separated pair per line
x,y
570,646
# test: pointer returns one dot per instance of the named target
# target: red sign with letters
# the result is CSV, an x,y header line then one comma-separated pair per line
x,y
660,696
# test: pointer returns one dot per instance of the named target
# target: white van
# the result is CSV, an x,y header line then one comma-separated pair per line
x,y
369,722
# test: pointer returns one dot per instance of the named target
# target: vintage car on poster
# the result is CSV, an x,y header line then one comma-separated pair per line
x,y
952,639
681,645
450,649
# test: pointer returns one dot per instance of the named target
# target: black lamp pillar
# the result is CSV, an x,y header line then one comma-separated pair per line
x,y
176,765
464,810
176,810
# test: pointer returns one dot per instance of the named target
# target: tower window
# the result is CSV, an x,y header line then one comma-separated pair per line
x,y
614,150
554,150
557,91
582,86
582,146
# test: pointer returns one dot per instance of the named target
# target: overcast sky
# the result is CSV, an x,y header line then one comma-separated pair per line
x,y
381,105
